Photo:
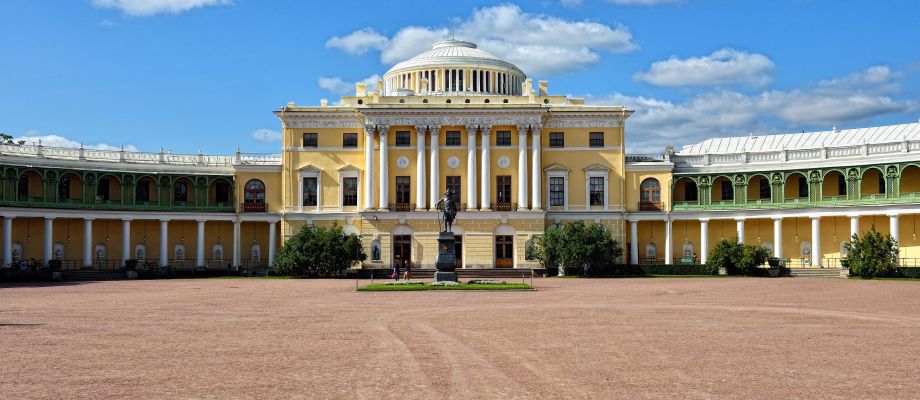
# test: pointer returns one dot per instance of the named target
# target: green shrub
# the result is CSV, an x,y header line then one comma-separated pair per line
x,y
737,258
910,272
872,255
319,252
571,245
130,264
677,269
55,265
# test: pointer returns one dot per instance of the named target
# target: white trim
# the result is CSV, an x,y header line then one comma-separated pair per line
x,y
583,148
348,172
311,173
557,173
594,172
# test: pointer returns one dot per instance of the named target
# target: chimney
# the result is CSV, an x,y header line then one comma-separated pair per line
x,y
323,102
528,87
380,86
360,89
543,88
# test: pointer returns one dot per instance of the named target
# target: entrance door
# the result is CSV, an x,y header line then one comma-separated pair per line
x,y
402,248
458,250
504,251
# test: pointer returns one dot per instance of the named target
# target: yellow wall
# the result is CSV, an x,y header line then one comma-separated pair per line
x,y
634,180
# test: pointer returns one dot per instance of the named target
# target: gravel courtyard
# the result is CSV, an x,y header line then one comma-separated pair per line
x,y
573,338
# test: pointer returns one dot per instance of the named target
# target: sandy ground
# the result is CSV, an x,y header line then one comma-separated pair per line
x,y
601,338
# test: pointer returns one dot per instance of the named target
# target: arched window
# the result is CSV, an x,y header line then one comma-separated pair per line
x,y
650,195
180,191
64,188
254,196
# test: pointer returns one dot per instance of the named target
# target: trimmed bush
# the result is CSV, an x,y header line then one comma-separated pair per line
x,y
872,255
571,245
319,252
737,258
910,272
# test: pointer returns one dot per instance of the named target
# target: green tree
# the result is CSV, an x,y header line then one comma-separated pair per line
x,y
7,139
319,252
872,255
736,258
573,244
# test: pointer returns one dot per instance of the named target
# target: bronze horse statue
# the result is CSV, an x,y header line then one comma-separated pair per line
x,y
448,208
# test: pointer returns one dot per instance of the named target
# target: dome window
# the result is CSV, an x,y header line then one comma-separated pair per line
x,y
425,101
505,101
360,102
467,101
487,101
402,100
545,101
448,101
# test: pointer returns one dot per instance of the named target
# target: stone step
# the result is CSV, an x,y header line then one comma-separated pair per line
x,y
462,273
815,272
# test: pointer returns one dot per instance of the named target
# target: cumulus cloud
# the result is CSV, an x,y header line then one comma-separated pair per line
x,y
536,43
146,8
341,87
857,97
723,67
60,141
266,135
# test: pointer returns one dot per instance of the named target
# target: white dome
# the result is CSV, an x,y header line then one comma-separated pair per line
x,y
454,53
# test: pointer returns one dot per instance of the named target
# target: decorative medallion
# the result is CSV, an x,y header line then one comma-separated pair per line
x,y
504,162
453,162
402,162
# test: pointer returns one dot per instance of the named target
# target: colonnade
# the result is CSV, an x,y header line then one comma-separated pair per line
x,y
470,80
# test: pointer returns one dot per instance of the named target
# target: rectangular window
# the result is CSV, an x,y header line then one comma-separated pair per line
x,y
402,189
728,191
690,191
503,186
453,182
504,251
309,192
764,188
309,140
556,191
64,188
503,138
596,139
402,138
222,192
453,138
803,187
102,190
181,192
350,196
841,185
556,139
23,187
142,191
597,191
349,140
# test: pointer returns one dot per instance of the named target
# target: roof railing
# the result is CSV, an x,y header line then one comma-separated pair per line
x,y
806,154
137,157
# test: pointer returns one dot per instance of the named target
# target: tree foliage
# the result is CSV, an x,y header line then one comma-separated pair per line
x,y
737,258
872,255
319,252
572,244
7,139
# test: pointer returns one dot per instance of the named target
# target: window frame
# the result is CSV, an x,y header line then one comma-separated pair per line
x,y
729,188
557,197
503,138
456,184
180,195
350,140
595,139
557,139
304,186
310,140
452,138
402,139
350,191
597,189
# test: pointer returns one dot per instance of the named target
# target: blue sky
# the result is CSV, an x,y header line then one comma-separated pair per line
x,y
206,74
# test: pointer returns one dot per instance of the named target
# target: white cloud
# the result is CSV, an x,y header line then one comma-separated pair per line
x,y
146,8
60,141
722,67
536,43
341,87
657,123
266,135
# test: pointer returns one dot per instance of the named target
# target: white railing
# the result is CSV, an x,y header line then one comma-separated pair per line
x,y
132,157
797,154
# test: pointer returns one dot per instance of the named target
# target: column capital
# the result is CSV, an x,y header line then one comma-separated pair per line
x,y
127,219
47,217
434,130
369,129
421,129
471,129
852,216
89,218
383,130
740,219
522,129
485,130
777,218
815,217
704,220
535,130
893,214
201,220
164,219
632,221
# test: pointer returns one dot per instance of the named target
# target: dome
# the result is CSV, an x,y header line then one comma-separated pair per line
x,y
454,67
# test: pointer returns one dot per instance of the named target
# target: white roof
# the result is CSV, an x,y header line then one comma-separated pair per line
x,y
454,53
805,140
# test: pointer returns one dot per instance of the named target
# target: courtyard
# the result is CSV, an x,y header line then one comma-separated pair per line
x,y
572,338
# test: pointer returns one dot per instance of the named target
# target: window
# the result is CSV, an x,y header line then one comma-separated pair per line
x,y
309,140
403,184
556,139
649,191
23,187
690,191
556,191
453,138
728,191
504,251
64,188
764,188
503,138
881,184
803,187
350,196
503,186
402,138
597,190
596,139
142,191
453,182
180,192
309,191
102,189
222,192
349,140
841,185
254,192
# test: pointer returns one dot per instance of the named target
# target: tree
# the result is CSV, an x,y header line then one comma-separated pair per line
x,y
319,252
7,139
573,244
737,258
872,255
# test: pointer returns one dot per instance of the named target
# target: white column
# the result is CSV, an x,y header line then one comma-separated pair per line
x,y
471,167
854,225
778,237
164,242
126,253
633,242
893,229
535,168
236,244
272,241
7,241
434,186
384,173
740,228
48,248
522,168
704,240
87,242
199,246
420,168
668,242
486,180
368,168
815,241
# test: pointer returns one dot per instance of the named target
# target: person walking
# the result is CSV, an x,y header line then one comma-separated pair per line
x,y
408,267
584,269
396,269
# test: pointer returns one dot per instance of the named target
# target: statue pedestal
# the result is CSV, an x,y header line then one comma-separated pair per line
x,y
447,259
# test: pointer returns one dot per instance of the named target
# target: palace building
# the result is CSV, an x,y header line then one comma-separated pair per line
x,y
518,159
